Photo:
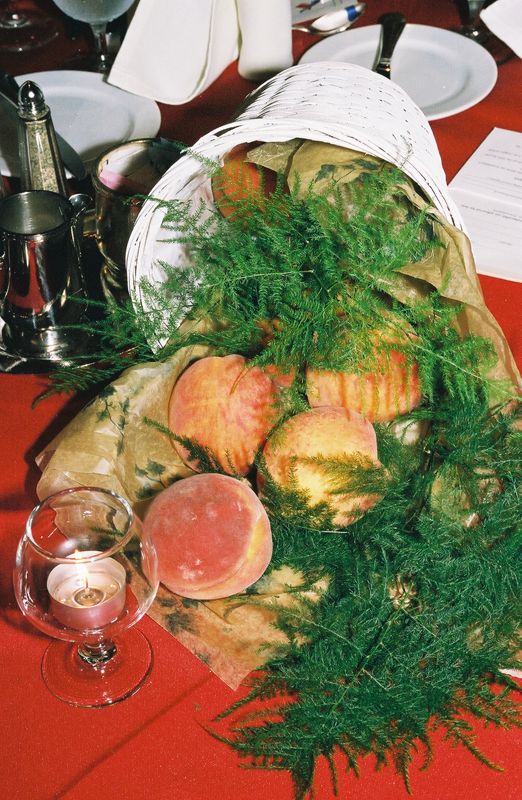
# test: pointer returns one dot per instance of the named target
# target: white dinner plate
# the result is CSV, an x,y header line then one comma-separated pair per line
x,y
442,71
91,114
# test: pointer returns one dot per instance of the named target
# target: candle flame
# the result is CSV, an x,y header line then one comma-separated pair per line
x,y
82,569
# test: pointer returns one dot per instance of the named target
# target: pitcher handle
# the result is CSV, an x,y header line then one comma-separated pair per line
x,y
4,273
80,203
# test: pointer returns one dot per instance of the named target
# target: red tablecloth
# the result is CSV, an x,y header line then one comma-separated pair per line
x,y
154,745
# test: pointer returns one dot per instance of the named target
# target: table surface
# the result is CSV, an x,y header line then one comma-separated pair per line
x,y
155,743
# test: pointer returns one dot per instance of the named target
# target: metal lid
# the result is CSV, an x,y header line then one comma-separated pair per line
x,y
31,101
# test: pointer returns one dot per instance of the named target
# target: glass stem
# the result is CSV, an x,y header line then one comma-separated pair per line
x,y
101,45
97,654
469,11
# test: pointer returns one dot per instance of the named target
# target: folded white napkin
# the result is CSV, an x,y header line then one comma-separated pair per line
x,y
174,49
504,19
266,37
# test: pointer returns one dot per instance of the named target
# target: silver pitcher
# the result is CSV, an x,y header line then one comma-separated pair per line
x,y
135,167
41,282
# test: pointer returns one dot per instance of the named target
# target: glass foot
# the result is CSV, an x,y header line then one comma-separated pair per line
x,y
99,675
23,31
89,62
495,47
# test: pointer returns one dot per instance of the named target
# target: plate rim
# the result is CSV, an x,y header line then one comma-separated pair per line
x,y
447,109
144,124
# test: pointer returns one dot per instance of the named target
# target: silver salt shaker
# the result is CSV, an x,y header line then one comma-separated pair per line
x,y
41,166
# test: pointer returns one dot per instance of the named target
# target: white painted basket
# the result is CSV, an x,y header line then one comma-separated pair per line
x,y
335,103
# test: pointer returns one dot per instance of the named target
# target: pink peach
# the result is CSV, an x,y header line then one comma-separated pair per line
x,y
212,536
225,405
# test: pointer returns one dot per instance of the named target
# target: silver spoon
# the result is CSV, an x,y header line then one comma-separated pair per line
x,y
310,29
392,25
321,25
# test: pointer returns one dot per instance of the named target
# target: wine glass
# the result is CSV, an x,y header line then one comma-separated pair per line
x,y
85,573
23,28
469,11
97,13
474,28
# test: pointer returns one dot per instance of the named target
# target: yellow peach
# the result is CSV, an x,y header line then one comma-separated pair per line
x,y
334,434
391,389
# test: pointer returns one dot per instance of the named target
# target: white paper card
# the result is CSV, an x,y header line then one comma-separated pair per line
x,y
488,191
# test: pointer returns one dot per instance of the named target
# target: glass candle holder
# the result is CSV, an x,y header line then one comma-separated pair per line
x,y
85,574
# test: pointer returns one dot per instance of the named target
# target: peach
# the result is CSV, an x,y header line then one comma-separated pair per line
x,y
223,404
329,433
212,536
380,396
240,179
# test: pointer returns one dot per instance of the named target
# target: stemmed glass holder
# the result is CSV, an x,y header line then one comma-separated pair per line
x,y
85,574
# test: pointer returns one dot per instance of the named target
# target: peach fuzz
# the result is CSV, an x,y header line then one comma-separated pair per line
x,y
393,389
223,404
212,536
331,433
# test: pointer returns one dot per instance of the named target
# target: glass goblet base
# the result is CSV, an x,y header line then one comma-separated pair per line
x,y
89,61
93,676
483,36
23,31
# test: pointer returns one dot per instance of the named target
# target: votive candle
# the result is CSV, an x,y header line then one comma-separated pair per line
x,y
85,596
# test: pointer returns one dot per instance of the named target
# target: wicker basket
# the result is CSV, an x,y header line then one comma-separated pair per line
x,y
334,103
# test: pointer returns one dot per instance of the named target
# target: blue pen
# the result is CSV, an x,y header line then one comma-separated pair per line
x,y
343,16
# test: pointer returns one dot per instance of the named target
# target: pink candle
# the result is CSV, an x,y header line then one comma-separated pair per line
x,y
89,595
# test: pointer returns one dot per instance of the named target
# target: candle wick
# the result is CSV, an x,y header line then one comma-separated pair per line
x,y
89,597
